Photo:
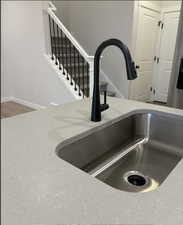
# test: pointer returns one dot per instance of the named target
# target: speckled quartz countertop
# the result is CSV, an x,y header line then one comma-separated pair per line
x,y
40,188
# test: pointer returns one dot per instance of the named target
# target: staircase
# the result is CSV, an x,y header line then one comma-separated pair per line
x,y
73,64
70,58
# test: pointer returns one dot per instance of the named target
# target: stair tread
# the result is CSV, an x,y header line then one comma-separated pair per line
x,y
77,80
81,77
58,45
56,37
77,64
78,74
85,86
68,55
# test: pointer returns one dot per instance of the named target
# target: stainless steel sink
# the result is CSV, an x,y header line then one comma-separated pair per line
x,y
134,154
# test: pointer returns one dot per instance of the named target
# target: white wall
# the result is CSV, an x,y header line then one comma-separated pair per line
x,y
25,72
63,11
95,21
160,5
165,4
156,5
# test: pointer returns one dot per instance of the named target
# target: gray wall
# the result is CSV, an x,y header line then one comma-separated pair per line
x,y
175,96
25,72
92,22
62,11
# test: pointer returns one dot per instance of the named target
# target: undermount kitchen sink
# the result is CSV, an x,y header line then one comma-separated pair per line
x,y
134,154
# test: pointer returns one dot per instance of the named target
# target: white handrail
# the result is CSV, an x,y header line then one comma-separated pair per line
x,y
88,58
51,6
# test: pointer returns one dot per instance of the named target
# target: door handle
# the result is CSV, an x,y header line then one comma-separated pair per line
x,y
137,67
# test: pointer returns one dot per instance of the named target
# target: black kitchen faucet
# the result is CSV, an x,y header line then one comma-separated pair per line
x,y
97,108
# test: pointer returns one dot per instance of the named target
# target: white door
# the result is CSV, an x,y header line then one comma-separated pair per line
x,y
167,48
148,31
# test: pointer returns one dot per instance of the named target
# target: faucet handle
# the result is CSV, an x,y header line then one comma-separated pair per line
x,y
104,106
105,97
103,90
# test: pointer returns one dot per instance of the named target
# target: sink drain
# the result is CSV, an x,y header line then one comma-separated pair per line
x,y
136,179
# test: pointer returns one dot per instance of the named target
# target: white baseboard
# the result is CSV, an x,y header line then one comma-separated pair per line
x,y
6,99
23,102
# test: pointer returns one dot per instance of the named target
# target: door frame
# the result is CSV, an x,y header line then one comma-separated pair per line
x,y
136,17
156,68
136,21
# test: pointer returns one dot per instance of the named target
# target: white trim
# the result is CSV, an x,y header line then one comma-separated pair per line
x,y
149,5
160,96
171,9
155,10
28,104
134,42
23,102
52,6
139,5
6,99
69,36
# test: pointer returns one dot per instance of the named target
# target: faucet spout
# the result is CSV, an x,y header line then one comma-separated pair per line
x,y
97,108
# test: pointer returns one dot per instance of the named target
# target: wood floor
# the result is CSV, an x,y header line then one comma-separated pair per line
x,y
9,109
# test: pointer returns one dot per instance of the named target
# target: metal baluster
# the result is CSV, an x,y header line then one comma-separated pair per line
x,y
51,39
87,83
62,44
58,47
83,73
79,73
70,52
66,54
75,88
55,40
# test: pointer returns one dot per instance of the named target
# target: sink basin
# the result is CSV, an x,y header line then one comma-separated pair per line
x,y
134,154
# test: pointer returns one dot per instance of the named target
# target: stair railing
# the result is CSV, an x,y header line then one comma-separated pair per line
x,y
70,56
